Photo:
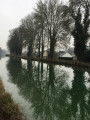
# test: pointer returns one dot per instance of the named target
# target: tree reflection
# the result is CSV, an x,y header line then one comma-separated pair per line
x,y
48,99
79,107
14,67
45,87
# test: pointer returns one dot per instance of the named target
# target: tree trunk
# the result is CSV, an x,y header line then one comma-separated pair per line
x,y
39,49
52,45
51,49
29,54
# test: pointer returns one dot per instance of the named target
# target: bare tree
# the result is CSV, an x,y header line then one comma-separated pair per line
x,y
40,21
45,24
29,32
53,16
15,42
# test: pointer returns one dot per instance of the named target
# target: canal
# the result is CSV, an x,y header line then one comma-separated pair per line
x,y
45,91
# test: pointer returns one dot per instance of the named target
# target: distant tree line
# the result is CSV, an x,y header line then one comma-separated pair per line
x,y
50,25
3,52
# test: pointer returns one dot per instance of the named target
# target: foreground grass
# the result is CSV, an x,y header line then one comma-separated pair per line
x,y
55,61
8,109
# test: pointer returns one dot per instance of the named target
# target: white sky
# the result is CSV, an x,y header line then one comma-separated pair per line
x,y
11,12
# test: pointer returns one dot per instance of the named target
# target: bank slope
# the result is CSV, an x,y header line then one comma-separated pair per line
x,y
8,109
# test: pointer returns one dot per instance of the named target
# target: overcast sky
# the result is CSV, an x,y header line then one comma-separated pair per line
x,y
11,12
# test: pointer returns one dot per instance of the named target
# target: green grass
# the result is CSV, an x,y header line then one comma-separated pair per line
x,y
8,109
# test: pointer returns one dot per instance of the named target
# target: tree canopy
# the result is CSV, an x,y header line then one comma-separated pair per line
x,y
51,24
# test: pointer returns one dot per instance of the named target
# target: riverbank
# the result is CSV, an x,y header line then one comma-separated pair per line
x,y
55,61
8,109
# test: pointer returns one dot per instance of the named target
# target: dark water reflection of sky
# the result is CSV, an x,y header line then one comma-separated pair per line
x,y
47,92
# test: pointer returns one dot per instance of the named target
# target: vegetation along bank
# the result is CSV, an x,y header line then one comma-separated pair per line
x,y
8,109
55,61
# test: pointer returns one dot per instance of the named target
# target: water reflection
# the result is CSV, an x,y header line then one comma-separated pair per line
x,y
15,69
46,88
80,105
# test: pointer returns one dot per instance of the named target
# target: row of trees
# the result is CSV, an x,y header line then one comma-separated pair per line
x,y
51,25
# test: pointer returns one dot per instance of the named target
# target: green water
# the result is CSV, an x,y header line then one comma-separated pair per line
x,y
47,92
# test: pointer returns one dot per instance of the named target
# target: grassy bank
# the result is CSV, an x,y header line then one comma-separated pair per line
x,y
55,61
8,109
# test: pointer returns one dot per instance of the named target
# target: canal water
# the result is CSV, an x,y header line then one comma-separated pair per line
x,y
45,91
